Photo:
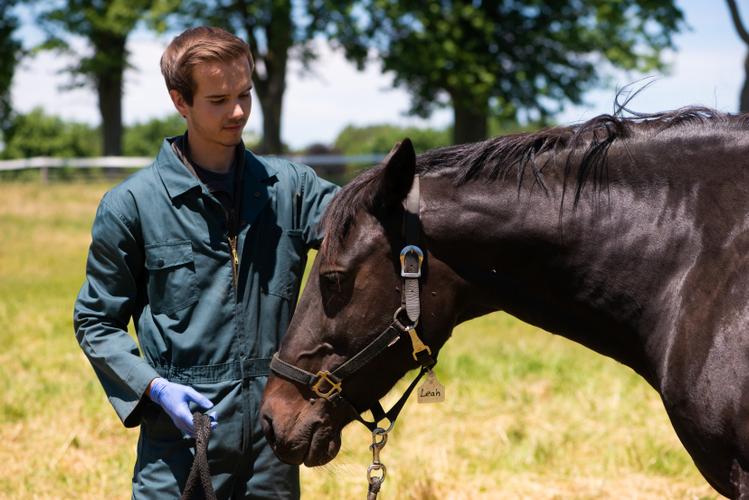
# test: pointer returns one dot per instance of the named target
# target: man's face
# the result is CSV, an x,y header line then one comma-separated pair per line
x,y
221,103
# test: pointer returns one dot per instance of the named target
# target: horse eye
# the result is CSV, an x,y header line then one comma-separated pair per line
x,y
332,278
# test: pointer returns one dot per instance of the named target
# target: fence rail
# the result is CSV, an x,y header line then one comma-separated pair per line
x,y
142,161
333,167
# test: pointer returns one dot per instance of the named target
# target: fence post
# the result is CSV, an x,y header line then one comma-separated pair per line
x,y
44,174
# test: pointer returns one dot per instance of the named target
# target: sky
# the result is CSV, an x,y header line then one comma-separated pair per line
x,y
706,69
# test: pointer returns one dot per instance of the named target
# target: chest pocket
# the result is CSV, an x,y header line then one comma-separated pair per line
x,y
289,262
172,284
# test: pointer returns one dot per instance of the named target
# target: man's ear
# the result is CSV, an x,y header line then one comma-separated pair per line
x,y
179,102
400,168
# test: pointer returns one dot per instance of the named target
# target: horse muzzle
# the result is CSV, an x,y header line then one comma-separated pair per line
x,y
299,432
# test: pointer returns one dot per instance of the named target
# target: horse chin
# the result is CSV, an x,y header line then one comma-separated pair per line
x,y
324,446
316,445
302,434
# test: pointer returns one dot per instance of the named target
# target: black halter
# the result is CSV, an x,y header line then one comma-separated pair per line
x,y
329,384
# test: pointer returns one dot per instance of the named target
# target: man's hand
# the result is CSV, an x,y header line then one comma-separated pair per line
x,y
175,399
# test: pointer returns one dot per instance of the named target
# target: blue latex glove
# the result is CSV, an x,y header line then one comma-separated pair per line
x,y
175,400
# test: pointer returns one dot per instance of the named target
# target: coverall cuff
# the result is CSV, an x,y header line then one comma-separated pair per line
x,y
138,379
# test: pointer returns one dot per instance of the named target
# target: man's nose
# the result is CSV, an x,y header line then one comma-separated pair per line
x,y
237,112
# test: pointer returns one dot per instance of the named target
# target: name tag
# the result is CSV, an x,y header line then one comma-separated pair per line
x,y
431,391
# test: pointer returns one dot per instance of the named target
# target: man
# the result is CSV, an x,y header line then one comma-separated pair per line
x,y
204,250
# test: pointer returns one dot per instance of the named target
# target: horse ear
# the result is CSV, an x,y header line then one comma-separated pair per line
x,y
400,167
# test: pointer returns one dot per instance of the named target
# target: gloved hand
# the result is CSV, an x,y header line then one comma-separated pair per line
x,y
175,398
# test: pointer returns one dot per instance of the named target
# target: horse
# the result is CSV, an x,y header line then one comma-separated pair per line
x,y
628,235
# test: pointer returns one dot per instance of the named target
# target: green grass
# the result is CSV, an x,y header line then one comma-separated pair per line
x,y
527,415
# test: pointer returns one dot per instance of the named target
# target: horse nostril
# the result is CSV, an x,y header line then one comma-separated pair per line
x,y
267,425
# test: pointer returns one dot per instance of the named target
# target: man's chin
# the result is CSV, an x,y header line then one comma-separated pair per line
x,y
231,142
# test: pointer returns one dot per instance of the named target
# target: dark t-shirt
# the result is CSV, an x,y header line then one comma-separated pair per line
x,y
220,185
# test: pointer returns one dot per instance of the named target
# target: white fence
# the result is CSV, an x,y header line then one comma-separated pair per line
x,y
43,162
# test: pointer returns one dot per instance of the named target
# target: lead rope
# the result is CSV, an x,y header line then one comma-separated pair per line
x,y
198,484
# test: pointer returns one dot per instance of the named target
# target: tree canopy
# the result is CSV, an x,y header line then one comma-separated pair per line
x,y
506,58
39,134
277,31
105,25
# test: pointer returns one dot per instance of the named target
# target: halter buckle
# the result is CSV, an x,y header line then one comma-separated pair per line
x,y
411,249
325,376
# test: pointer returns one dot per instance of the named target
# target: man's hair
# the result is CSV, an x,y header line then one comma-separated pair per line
x,y
196,46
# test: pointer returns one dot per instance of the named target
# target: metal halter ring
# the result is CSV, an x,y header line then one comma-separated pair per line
x,y
335,388
401,326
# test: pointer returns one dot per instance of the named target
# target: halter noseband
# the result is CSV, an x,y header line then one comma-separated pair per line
x,y
329,384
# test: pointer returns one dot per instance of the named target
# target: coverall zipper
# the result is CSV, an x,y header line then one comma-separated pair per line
x,y
234,259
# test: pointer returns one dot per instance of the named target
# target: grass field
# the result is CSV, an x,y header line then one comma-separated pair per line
x,y
528,414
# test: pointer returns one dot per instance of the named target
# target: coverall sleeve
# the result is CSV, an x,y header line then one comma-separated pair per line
x,y
104,307
317,194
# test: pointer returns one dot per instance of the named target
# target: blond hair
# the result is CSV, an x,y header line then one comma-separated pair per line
x,y
195,46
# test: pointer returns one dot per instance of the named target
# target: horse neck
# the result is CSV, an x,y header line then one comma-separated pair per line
x,y
606,273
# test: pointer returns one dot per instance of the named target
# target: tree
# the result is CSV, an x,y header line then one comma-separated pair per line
x,y
39,134
10,52
105,24
501,58
144,139
379,139
741,30
276,31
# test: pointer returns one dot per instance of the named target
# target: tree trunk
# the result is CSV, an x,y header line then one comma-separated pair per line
x,y
108,77
270,71
744,98
741,31
272,104
109,88
471,123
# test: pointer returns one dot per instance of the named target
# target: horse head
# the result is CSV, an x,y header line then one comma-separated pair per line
x,y
354,291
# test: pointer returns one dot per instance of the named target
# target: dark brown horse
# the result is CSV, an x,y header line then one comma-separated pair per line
x,y
628,236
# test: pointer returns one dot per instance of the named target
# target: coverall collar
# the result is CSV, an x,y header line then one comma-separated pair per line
x,y
178,179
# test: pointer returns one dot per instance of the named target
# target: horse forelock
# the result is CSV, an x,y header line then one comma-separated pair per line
x,y
583,149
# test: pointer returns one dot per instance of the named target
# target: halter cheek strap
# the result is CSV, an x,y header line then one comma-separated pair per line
x,y
329,384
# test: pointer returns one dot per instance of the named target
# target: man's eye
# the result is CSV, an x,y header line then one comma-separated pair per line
x,y
217,101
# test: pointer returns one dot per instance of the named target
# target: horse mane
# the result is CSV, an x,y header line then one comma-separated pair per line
x,y
583,146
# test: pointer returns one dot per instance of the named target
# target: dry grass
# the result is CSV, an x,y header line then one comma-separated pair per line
x,y
527,415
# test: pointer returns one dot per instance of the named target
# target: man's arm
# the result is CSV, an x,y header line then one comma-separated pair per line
x,y
104,307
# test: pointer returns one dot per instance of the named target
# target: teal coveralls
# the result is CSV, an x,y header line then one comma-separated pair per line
x,y
161,254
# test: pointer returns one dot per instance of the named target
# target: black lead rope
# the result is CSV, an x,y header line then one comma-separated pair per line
x,y
199,486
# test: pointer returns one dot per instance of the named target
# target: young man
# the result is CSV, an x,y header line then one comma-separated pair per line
x,y
204,250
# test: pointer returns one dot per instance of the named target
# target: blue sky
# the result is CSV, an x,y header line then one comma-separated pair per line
x,y
706,69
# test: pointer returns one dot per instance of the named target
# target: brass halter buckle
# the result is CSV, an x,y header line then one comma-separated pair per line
x,y
325,376
408,250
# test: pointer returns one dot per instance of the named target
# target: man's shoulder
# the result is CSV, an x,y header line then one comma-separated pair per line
x,y
141,185
282,168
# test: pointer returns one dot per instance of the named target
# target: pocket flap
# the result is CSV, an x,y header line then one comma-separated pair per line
x,y
166,255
